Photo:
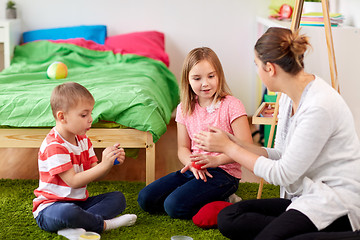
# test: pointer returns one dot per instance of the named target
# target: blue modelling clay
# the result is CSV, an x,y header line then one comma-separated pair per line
x,y
116,162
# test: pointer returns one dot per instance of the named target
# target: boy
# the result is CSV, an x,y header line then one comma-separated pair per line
x,y
67,163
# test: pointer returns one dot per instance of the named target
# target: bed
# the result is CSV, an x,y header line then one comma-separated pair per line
x,y
135,92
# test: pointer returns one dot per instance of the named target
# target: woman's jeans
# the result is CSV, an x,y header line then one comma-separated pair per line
x,y
89,214
181,195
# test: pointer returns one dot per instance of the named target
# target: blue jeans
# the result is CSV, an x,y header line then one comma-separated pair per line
x,y
89,214
182,196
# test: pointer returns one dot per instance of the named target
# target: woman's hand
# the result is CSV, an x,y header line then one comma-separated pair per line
x,y
111,153
214,140
208,161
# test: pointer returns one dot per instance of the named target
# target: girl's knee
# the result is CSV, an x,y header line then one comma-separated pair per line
x,y
171,209
176,209
145,199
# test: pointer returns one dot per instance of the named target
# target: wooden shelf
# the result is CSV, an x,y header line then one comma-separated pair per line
x,y
10,35
261,115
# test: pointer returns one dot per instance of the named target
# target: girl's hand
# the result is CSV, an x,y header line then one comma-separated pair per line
x,y
197,173
111,153
208,160
213,140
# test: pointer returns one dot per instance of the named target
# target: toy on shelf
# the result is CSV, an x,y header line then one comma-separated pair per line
x,y
284,12
264,113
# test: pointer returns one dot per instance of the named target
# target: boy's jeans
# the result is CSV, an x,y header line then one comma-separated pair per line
x,y
89,214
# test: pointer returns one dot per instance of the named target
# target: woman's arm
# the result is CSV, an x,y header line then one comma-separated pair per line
x,y
241,129
216,140
242,133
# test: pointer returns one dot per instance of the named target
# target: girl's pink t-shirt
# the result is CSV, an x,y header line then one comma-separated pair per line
x,y
221,115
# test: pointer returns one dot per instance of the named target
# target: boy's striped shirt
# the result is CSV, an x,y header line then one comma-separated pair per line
x,y
56,155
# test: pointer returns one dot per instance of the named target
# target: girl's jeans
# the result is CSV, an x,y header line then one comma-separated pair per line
x,y
89,214
182,195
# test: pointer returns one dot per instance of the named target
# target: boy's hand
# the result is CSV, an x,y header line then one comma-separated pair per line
x,y
114,152
121,157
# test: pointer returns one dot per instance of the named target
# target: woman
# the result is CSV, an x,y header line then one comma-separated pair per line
x,y
316,159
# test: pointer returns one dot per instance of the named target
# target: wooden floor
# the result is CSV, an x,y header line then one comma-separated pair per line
x,y
22,163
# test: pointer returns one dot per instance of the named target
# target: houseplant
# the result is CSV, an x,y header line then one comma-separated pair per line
x,y
10,10
312,6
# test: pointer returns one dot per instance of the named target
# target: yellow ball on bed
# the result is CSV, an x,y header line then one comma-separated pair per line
x,y
57,70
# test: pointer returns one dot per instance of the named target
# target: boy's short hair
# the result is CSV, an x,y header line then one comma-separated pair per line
x,y
67,95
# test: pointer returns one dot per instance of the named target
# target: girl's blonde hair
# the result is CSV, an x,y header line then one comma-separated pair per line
x,y
187,95
283,47
67,95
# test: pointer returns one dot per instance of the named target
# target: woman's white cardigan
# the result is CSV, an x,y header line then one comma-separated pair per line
x,y
316,159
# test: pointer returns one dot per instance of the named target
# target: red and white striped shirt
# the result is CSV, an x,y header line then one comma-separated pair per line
x,y
56,155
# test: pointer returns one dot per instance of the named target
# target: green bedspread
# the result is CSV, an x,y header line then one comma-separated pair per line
x,y
131,90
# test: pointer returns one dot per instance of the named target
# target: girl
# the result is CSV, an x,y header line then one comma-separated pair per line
x,y
206,177
316,159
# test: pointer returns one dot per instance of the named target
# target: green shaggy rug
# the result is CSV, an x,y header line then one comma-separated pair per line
x,y
16,221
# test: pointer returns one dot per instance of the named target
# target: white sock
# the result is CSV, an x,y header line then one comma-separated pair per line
x,y
233,198
71,233
121,221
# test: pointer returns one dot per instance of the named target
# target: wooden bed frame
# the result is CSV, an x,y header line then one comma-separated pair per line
x,y
100,138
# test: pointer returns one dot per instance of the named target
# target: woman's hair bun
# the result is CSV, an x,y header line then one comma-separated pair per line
x,y
283,47
298,43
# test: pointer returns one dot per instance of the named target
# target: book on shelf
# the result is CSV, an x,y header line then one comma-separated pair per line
x,y
317,19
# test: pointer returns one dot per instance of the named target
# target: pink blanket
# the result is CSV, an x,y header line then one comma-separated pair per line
x,y
148,44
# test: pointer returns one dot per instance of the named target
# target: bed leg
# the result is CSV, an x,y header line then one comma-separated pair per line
x,y
150,159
